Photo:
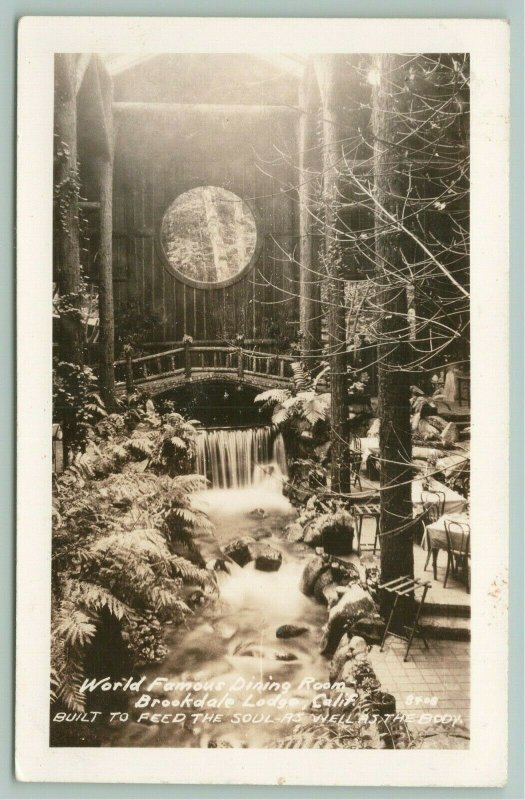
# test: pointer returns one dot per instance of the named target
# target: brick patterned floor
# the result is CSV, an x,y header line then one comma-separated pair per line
x,y
442,672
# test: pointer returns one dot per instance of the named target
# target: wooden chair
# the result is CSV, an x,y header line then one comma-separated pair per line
x,y
458,550
431,514
434,496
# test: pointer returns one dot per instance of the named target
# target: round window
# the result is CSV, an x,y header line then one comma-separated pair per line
x,y
208,236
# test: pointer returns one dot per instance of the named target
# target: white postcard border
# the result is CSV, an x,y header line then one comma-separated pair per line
x,y
484,764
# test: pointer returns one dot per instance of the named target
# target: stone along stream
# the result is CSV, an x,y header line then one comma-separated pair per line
x,y
229,664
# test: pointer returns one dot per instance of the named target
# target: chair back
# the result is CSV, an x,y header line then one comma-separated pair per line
x,y
458,537
355,458
435,497
431,512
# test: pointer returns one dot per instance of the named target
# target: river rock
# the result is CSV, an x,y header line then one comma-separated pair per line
x,y
290,631
331,595
240,550
324,582
254,650
334,532
217,565
258,513
280,655
267,558
344,572
262,533
358,645
340,657
312,532
311,572
354,604
370,628
293,532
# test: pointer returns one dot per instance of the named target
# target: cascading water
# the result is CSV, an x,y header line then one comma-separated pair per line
x,y
234,458
234,640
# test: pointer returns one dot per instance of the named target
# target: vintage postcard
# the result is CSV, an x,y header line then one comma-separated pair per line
x,y
262,388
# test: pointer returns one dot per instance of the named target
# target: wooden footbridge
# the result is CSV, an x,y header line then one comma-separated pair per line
x,y
191,363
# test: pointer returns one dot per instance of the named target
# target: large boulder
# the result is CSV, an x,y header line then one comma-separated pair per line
x,y
267,558
314,567
334,532
340,657
324,581
323,577
354,604
246,549
290,631
371,628
240,550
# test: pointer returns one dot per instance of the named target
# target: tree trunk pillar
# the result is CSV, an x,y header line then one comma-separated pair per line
x,y
328,69
395,441
66,197
310,312
105,297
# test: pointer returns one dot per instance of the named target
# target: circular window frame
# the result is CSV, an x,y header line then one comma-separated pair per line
x,y
259,236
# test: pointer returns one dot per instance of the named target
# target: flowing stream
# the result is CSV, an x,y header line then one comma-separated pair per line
x,y
230,647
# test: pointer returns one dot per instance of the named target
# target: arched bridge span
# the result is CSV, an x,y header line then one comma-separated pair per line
x,y
194,363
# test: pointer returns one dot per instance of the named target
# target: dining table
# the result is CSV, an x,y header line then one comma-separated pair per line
x,y
435,536
453,501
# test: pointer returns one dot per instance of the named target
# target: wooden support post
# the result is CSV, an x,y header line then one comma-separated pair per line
x,y
187,356
310,168
240,364
128,355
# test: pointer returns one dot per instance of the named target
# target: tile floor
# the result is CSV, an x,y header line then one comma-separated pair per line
x,y
442,672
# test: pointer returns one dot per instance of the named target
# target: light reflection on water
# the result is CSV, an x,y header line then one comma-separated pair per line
x,y
252,605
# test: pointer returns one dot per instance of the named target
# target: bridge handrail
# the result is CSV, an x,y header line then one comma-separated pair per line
x,y
150,357
199,349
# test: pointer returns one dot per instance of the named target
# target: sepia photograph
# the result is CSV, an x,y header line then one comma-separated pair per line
x,y
261,401
262,531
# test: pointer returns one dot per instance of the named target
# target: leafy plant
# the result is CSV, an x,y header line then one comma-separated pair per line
x,y
118,510
76,402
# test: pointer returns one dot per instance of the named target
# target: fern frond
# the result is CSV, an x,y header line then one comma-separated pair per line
x,y
189,573
272,397
162,598
95,598
75,626
189,483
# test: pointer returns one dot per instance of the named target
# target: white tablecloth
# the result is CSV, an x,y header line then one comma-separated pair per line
x,y
453,500
436,535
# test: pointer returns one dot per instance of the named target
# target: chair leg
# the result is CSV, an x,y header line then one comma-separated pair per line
x,y
376,537
385,634
428,558
449,560
435,553
359,526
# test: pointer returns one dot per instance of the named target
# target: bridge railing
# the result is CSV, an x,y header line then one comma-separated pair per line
x,y
191,359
